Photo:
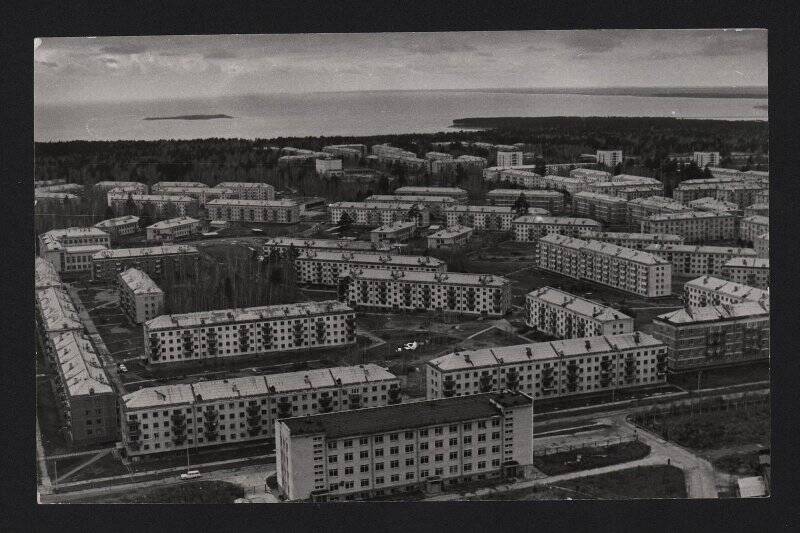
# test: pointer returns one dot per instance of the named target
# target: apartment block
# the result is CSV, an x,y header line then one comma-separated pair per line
x,y
450,238
154,260
708,290
565,316
270,211
624,269
227,333
139,296
435,204
531,228
399,448
72,188
132,186
704,159
173,229
379,213
751,271
53,198
509,159
555,369
394,232
714,336
70,249
708,203
739,193
391,154
228,411
327,165
352,152
694,226
119,226
751,227
478,294
640,209
609,158
321,267
602,207
757,210
118,199
282,245
694,260
161,185
45,274
624,190
456,193
552,201
761,245
521,176
637,241
487,217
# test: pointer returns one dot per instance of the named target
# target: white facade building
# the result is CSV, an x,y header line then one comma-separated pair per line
x,y
751,227
321,267
172,229
565,316
249,190
704,159
603,207
227,333
325,166
637,241
378,213
610,158
119,226
269,211
394,232
132,186
71,249
694,226
509,159
708,290
281,245
488,217
450,237
689,259
531,228
154,260
139,296
750,271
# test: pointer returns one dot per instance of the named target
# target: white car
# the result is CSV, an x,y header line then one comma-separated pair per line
x,y
410,346
123,368
191,474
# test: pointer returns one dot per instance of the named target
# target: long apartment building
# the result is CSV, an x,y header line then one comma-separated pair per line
x,y
486,217
55,198
708,203
520,176
694,226
602,207
228,411
709,290
531,228
757,209
105,186
400,448
552,201
346,151
249,190
761,245
554,369
435,204
139,296
119,226
694,260
154,260
73,188
739,193
281,245
86,402
161,185
751,271
203,195
235,210
751,227
391,154
70,250
321,267
565,316
714,336
622,268
637,241
626,190
395,232
476,294
379,213
227,333
456,193
118,199
173,229
639,209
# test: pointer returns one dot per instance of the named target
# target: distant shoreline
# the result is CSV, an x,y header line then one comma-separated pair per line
x,y
189,117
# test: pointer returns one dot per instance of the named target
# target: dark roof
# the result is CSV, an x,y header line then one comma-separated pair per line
x,y
405,415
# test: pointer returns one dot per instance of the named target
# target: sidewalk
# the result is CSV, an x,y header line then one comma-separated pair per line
x,y
46,486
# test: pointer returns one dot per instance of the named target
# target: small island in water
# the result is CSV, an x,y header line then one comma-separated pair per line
x,y
189,117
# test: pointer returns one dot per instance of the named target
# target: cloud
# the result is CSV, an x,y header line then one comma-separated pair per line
x,y
47,64
220,54
124,49
734,43
595,41
438,46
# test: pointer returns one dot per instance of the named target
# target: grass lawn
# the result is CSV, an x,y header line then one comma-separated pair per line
x,y
740,464
106,466
563,462
722,377
659,481
189,492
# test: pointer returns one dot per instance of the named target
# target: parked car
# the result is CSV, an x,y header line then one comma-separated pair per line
x,y
191,474
122,368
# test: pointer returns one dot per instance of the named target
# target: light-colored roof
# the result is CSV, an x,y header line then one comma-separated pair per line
x,y
541,351
247,314
80,367
727,288
192,184
687,215
604,248
355,257
371,205
613,235
330,244
532,193
600,197
173,222
577,305
45,195
252,203
85,249
751,487
306,380
244,185
114,184
426,191
119,253
437,278
752,262
45,274
478,209
139,282
556,221
397,198
57,310
630,178
756,219
394,226
712,203
450,232
75,233
118,221
660,202
175,198
699,249
712,313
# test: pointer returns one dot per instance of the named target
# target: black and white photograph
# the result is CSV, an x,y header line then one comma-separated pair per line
x,y
454,266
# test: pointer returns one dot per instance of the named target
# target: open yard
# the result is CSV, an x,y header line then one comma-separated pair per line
x,y
739,464
188,492
588,458
722,377
643,482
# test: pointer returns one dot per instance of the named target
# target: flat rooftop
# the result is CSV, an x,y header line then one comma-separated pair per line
x,y
578,305
542,351
192,184
751,262
173,222
600,197
377,420
252,203
727,288
451,231
394,226
612,235
247,314
556,221
478,209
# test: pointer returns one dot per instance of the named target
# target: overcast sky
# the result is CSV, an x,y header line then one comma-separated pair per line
x,y
83,69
